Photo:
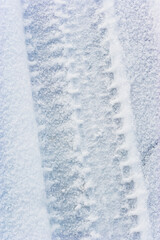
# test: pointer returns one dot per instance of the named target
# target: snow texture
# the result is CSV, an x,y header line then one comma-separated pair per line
x,y
139,34
23,212
79,120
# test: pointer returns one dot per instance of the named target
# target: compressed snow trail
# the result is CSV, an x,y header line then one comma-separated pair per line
x,y
139,34
23,212
94,183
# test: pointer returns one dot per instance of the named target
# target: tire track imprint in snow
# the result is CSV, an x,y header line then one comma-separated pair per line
x,y
132,178
62,157
94,184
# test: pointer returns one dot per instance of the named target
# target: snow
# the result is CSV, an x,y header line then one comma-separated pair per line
x,y
139,35
23,212
79,112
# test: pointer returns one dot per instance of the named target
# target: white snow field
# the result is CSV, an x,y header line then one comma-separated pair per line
x,y
23,214
79,124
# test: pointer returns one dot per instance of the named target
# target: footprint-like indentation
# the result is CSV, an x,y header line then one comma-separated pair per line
x,y
112,92
110,75
123,211
118,123
129,186
132,203
116,161
136,236
122,154
116,107
126,171
108,117
103,32
32,56
120,139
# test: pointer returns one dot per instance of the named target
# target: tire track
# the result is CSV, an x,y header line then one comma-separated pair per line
x,y
56,110
134,190
91,165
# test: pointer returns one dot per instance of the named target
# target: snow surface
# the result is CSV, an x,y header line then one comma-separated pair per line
x,y
139,34
79,133
22,198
